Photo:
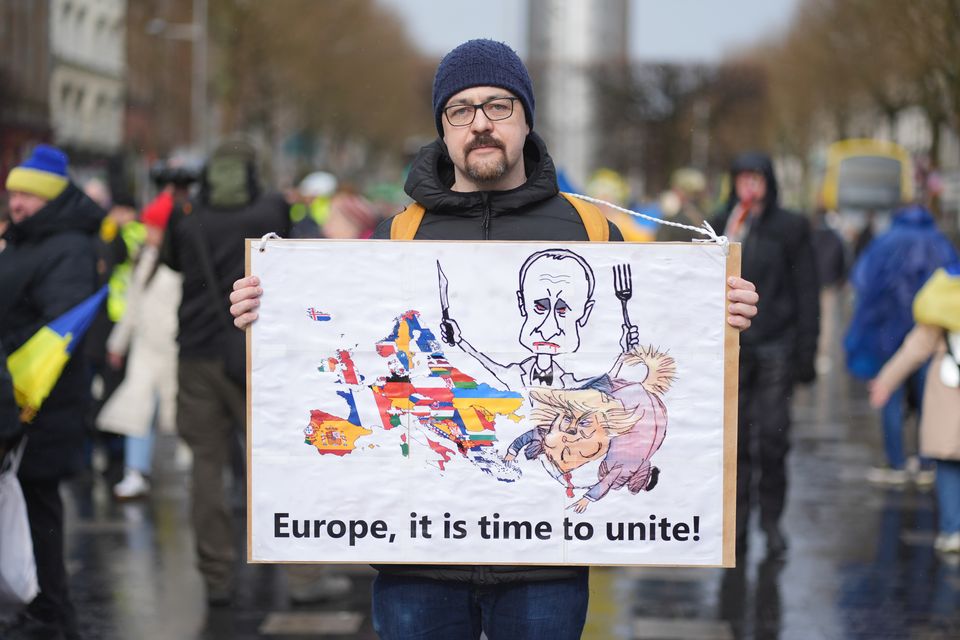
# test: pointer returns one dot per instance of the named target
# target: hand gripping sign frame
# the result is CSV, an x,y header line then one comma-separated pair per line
x,y
492,403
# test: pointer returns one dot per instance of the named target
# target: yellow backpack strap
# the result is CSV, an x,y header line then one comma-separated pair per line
x,y
598,229
406,223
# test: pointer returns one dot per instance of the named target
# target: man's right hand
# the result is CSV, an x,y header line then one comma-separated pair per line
x,y
244,301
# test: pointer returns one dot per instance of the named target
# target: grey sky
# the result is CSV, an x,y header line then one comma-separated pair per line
x,y
674,30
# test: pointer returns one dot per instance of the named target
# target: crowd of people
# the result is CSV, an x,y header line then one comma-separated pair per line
x,y
166,352
152,360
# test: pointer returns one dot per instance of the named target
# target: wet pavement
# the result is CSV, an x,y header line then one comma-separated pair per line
x,y
861,562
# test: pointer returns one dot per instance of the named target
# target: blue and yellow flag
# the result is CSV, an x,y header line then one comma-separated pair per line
x,y
36,366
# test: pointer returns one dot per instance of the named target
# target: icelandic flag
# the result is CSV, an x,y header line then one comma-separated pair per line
x,y
36,366
318,316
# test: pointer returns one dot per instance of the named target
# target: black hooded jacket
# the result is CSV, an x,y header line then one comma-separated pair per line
x,y
219,231
48,267
10,427
778,258
532,211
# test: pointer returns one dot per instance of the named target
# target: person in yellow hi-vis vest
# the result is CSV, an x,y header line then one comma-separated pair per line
x,y
310,212
487,176
118,244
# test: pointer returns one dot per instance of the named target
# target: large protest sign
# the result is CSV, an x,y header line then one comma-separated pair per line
x,y
492,402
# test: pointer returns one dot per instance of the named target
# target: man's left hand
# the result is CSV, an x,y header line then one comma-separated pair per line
x,y
743,298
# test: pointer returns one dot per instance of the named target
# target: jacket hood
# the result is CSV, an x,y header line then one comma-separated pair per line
x,y
230,178
431,178
762,164
915,216
72,210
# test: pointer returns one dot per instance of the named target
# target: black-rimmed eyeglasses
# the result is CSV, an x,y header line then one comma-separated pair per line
x,y
460,115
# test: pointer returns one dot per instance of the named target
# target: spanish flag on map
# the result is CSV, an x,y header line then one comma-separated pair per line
x,y
36,366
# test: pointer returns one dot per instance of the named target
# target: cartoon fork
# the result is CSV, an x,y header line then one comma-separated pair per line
x,y
623,288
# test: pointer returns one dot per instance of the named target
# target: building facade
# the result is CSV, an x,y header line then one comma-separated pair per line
x,y
24,80
88,66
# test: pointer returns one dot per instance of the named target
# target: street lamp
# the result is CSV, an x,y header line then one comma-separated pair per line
x,y
196,33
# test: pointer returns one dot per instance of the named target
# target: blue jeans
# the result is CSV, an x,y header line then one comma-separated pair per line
x,y
138,451
407,608
948,495
892,417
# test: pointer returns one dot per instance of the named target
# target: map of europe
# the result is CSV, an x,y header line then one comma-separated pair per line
x,y
421,397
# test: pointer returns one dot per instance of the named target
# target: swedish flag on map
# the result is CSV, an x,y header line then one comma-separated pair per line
x,y
36,366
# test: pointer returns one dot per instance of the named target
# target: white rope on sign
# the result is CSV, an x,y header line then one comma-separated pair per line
x,y
704,230
268,236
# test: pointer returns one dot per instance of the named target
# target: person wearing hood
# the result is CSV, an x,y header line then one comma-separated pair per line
x,y
204,241
780,348
487,176
48,267
885,278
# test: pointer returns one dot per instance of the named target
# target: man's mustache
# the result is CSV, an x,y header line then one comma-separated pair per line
x,y
485,140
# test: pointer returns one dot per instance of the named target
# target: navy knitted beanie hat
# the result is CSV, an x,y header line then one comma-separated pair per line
x,y
481,63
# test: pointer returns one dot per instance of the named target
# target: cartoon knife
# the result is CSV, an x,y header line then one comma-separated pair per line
x,y
445,306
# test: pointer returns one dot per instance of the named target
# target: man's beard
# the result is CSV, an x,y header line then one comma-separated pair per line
x,y
488,170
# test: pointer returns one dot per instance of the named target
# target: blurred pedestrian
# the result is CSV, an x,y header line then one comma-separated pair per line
x,y
205,243
309,213
865,235
885,280
48,267
118,243
681,204
830,254
351,216
937,334
147,332
779,349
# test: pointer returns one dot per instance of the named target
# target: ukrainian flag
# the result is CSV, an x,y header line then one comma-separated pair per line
x,y
36,366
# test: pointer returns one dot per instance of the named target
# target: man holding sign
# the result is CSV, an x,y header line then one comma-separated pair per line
x,y
487,177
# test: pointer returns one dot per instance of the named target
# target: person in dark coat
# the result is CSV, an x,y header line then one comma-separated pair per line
x,y
47,268
205,242
487,176
779,349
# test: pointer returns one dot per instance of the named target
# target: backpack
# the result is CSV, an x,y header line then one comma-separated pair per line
x,y
405,224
